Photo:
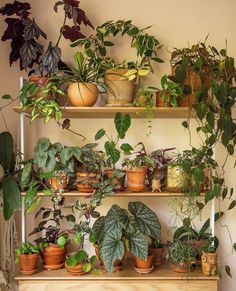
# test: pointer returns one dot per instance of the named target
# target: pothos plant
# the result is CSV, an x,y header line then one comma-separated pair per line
x,y
121,230
24,34
112,148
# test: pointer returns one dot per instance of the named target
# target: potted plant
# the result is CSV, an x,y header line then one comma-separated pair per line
x,y
53,242
137,168
181,255
27,255
121,230
144,266
209,257
113,150
156,248
120,78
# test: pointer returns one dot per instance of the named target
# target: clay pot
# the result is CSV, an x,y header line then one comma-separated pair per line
x,y
157,256
82,94
160,102
176,179
136,179
75,270
40,81
180,267
120,90
54,257
209,263
208,178
85,182
144,264
59,183
117,182
28,263
197,244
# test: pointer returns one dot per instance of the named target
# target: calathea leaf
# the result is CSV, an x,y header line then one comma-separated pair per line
x,y
147,220
138,245
122,123
31,30
29,52
116,218
112,249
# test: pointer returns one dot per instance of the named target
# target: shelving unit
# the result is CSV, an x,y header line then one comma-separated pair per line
x,y
161,278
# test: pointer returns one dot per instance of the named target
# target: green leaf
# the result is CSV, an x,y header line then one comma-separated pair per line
x,y
7,97
199,175
201,109
232,205
210,117
230,149
116,218
66,154
138,244
234,246
42,145
33,205
133,31
77,238
102,51
100,134
70,218
11,192
93,260
87,267
61,241
7,209
185,124
92,237
98,228
122,124
108,43
228,271
71,261
26,173
146,219
126,148
81,256
6,151
209,195
112,249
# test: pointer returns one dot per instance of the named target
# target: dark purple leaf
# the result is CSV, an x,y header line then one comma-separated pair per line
x,y
29,52
14,29
31,30
18,8
51,58
57,4
83,18
73,3
16,45
72,33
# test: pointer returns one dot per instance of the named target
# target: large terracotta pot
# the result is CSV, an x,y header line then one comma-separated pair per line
x,y
54,257
144,264
157,256
176,179
85,182
180,267
120,90
136,179
209,263
82,94
28,263
160,102
119,183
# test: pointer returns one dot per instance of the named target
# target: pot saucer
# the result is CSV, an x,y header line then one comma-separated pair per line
x,y
116,268
29,272
77,273
53,267
144,271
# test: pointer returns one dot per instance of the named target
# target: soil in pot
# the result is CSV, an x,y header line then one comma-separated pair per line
x,y
180,267
120,90
85,182
119,183
160,102
83,94
75,270
28,263
209,263
136,179
157,256
54,257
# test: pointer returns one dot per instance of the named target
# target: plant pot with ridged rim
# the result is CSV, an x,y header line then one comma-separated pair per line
x,y
60,181
82,94
85,181
120,90
54,256
28,263
136,178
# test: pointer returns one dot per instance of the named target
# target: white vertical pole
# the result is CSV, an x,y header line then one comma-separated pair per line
x,y
22,150
212,217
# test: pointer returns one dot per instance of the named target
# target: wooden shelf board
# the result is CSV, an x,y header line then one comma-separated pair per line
x,y
162,272
109,112
122,194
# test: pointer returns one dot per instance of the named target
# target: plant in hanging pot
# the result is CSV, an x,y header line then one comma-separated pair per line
x,y
120,78
27,255
182,256
137,168
122,230
113,150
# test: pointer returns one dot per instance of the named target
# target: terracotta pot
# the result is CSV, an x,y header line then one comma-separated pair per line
x,y
208,178
120,90
117,182
209,263
40,81
136,179
85,182
59,183
144,264
160,102
28,263
82,94
176,179
54,257
75,270
197,244
180,267
157,256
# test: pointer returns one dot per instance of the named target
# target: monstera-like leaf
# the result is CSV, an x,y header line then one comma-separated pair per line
x,y
146,220
122,123
112,249
116,218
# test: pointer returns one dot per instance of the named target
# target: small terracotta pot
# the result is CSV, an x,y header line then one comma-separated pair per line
x,y
85,182
209,263
160,102
180,267
40,81
208,179
157,256
28,263
75,270
83,94
59,183
54,257
144,264
117,182
136,179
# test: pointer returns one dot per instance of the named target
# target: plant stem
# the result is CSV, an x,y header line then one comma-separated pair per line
x,y
62,28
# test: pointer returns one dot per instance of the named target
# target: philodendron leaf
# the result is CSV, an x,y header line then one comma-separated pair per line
x,y
138,245
199,175
147,220
98,228
11,192
26,173
116,218
100,134
126,148
42,145
122,123
112,249
6,151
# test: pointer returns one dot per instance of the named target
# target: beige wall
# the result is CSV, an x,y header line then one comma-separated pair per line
x,y
175,24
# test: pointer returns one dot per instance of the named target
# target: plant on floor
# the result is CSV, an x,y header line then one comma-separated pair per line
x,y
9,182
121,230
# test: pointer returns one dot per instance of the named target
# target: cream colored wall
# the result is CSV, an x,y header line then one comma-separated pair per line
x,y
175,24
